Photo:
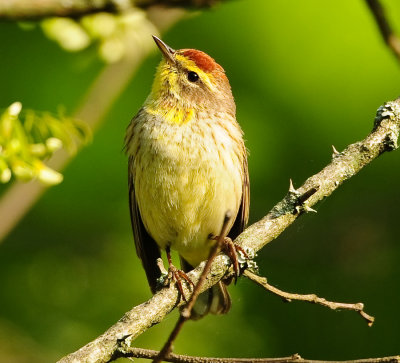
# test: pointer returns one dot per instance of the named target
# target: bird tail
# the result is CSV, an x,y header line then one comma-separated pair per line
x,y
215,300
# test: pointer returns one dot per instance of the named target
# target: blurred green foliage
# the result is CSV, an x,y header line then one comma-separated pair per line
x,y
29,137
305,75
109,34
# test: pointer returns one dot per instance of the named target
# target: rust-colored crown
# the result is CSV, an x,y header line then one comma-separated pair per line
x,y
202,60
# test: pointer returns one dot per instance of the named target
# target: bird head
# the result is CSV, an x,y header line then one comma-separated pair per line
x,y
193,79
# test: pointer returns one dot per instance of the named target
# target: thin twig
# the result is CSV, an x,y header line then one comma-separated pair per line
x,y
390,38
131,352
343,166
312,298
187,310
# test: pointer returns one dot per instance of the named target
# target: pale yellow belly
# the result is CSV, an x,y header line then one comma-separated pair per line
x,y
182,205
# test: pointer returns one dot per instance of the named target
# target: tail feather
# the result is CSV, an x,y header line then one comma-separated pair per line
x,y
215,300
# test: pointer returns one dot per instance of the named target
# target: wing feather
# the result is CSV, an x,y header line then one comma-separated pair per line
x,y
243,214
146,248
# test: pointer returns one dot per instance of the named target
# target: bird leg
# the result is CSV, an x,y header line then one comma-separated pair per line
x,y
231,250
177,275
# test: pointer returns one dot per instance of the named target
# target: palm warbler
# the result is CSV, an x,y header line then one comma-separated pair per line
x,y
187,167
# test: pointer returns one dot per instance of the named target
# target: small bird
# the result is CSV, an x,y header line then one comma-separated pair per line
x,y
187,168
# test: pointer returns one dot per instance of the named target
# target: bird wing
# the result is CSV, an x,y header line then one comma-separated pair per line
x,y
243,214
146,248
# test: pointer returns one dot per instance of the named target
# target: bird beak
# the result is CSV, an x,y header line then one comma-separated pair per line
x,y
166,50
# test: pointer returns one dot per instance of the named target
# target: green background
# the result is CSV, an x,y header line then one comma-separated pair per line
x,y
305,75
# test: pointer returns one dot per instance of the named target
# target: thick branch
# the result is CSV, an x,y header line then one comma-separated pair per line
x,y
343,166
388,35
36,9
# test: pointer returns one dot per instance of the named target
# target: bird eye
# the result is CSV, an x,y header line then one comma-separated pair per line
x,y
192,76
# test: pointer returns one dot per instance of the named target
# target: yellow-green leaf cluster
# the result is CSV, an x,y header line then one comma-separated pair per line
x,y
28,137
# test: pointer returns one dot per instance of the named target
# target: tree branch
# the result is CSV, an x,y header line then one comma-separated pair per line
x,y
131,352
388,35
34,10
312,298
343,166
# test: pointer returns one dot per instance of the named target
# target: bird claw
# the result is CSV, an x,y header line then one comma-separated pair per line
x,y
177,275
232,251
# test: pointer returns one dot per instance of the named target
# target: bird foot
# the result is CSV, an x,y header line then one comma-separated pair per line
x,y
178,276
232,251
